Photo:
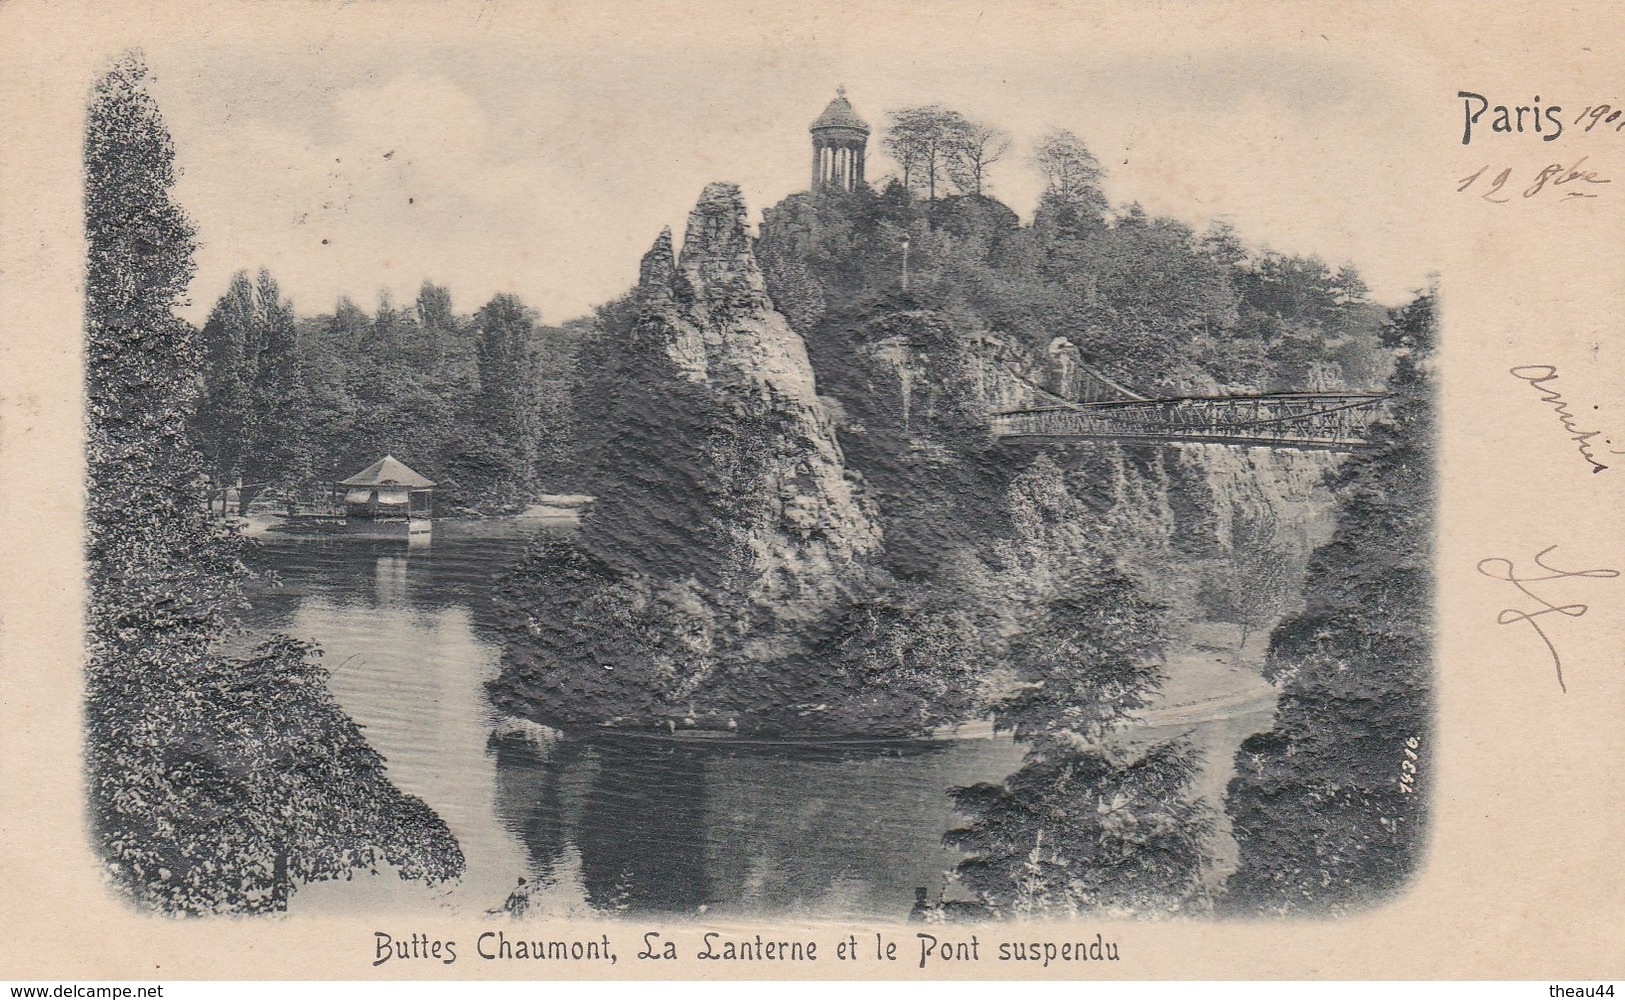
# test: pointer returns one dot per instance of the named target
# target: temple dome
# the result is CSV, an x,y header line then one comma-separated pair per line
x,y
839,140
839,114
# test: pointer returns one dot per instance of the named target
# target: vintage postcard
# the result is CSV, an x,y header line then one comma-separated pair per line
x,y
884,491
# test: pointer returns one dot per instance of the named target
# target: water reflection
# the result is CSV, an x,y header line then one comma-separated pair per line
x,y
668,826
391,581
622,826
641,840
619,826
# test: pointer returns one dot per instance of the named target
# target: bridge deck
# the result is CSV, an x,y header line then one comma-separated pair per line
x,y
1334,420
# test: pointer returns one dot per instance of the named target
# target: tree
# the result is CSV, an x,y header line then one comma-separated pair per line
x,y
505,328
434,307
145,479
924,141
1258,585
350,327
973,148
1113,830
1090,822
554,406
436,324
276,449
1086,661
251,418
1071,173
220,423
215,783
1322,817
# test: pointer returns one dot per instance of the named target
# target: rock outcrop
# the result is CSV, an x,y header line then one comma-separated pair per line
x,y
778,532
787,243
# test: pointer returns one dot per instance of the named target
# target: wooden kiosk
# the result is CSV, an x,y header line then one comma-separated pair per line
x,y
387,490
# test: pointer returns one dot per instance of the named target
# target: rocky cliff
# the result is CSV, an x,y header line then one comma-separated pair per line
x,y
728,543
772,525
797,530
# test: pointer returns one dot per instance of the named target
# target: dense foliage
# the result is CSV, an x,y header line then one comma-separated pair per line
x,y
1077,830
1146,301
1329,806
216,783
1092,820
480,404
248,419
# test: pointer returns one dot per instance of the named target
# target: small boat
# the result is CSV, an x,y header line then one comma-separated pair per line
x,y
565,499
561,505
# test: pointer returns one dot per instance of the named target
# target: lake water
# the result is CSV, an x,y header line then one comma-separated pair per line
x,y
730,829
744,829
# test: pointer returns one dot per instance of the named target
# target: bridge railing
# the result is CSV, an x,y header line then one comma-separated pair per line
x,y
1324,419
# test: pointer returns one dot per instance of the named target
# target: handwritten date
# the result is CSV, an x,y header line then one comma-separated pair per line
x,y
1601,114
1553,178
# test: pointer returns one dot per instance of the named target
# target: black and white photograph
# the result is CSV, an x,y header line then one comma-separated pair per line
x,y
896,552
597,488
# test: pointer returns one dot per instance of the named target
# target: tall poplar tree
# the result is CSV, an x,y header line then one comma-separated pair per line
x,y
219,423
277,453
216,783
250,419
506,408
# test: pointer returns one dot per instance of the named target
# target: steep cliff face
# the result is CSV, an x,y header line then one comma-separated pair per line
x,y
1221,537
782,528
1221,534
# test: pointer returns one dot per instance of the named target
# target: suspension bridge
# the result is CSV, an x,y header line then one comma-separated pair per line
x,y
1334,421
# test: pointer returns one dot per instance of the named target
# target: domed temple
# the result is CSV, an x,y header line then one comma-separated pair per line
x,y
839,139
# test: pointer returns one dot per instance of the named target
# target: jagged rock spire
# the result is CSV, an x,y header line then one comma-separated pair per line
x,y
657,269
717,253
758,434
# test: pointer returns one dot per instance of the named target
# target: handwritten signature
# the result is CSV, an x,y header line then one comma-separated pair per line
x,y
1502,569
1549,178
1538,376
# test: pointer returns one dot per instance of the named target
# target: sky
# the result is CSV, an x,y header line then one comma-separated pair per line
x,y
544,161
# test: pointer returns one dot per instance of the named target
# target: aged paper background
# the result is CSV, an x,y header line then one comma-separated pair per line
x,y
1525,877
